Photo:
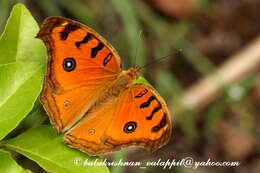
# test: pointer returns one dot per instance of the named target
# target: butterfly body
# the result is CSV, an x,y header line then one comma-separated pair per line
x,y
86,93
124,80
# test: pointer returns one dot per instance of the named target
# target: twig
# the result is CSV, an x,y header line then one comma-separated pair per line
x,y
239,65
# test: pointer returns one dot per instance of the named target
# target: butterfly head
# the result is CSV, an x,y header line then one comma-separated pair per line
x,y
133,73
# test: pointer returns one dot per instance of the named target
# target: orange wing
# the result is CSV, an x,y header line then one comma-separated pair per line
x,y
137,117
81,65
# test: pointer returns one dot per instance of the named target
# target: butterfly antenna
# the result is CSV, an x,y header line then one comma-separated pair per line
x,y
176,52
136,49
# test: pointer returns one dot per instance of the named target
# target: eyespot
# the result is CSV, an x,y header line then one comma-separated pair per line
x,y
130,127
69,64
66,104
91,132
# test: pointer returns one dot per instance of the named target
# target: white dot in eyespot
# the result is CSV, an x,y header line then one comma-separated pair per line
x,y
130,128
68,64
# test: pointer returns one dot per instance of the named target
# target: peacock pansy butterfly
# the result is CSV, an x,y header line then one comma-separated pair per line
x,y
86,93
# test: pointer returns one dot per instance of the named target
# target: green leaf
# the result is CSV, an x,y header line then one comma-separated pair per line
x,y
141,80
7,164
17,41
42,145
20,86
21,69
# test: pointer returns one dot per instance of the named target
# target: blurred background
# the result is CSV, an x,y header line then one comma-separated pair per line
x,y
210,79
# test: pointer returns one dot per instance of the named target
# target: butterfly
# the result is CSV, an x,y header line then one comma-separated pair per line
x,y
87,94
